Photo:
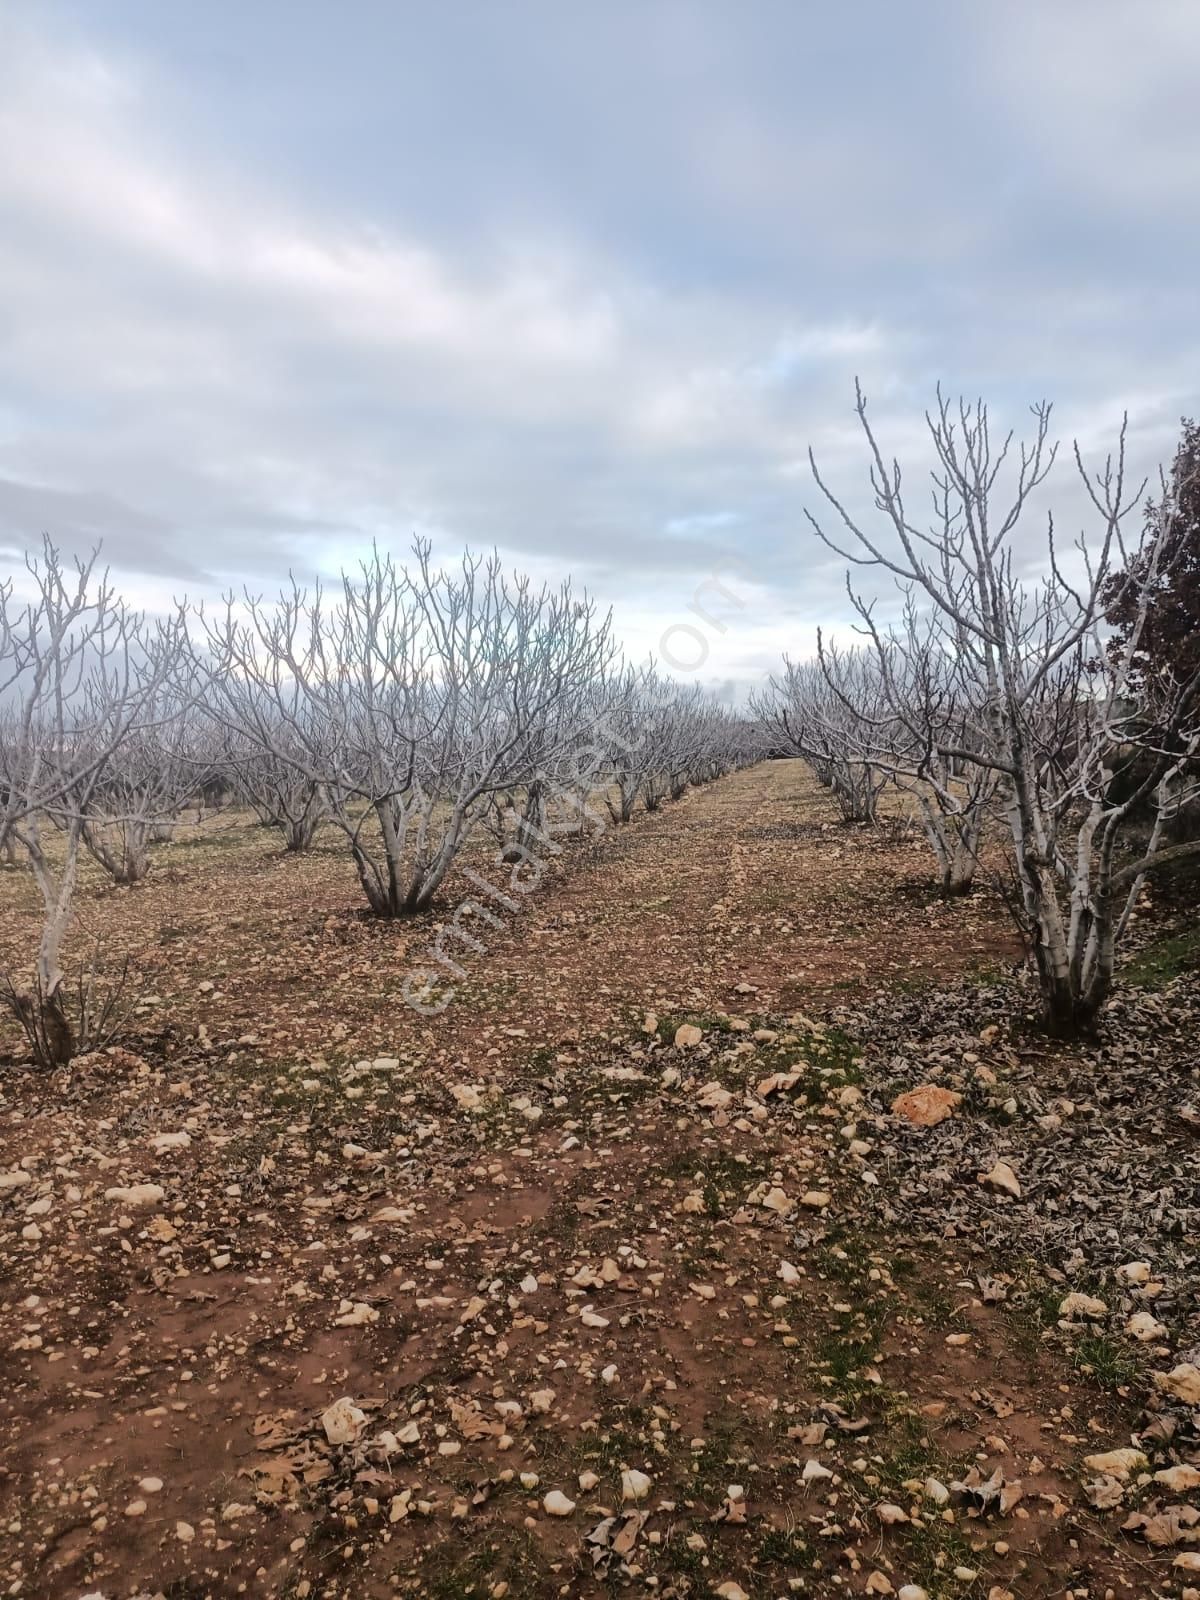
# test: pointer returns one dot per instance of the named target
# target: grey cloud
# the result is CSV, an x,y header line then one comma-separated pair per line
x,y
581,284
78,519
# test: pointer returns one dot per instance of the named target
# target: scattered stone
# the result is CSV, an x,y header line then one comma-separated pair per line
x,y
777,1083
343,1422
1136,1272
355,1314
714,1096
926,1105
772,1197
137,1196
635,1485
164,1142
1082,1305
1145,1328
1183,1381
1002,1179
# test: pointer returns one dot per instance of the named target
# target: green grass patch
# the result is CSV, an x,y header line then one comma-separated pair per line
x,y
669,1025
782,1547
723,1179
933,1549
1163,960
1105,1361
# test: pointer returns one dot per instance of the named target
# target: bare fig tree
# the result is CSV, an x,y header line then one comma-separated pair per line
x,y
411,698
1040,702
629,755
80,676
563,761
806,714
278,791
903,715
145,785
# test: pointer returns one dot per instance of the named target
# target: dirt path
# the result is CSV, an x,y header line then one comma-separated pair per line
x,y
534,1245
750,880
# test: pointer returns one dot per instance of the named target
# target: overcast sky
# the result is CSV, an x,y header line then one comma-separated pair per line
x,y
582,281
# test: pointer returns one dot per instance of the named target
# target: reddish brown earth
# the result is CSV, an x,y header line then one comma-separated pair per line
x,y
526,1236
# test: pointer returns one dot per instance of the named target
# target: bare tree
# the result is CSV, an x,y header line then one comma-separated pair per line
x,y
904,713
80,676
696,740
827,727
279,791
631,758
582,772
563,759
411,699
663,738
145,785
1039,701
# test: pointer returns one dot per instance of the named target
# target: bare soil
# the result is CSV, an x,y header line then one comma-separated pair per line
x,y
535,1243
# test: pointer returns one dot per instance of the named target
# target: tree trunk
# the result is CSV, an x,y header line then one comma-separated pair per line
x,y
47,1027
957,882
531,826
1067,1013
57,1030
128,861
300,828
959,878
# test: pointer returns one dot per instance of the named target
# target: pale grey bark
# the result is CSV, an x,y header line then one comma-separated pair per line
x,y
81,677
412,698
1038,699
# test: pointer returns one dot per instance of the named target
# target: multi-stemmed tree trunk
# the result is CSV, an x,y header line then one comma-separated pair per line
x,y
122,847
954,828
822,721
1030,690
82,680
280,795
413,699
531,824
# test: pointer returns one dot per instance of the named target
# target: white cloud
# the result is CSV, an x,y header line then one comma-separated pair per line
x,y
222,365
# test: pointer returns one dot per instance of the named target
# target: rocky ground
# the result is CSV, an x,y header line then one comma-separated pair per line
x,y
732,1232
